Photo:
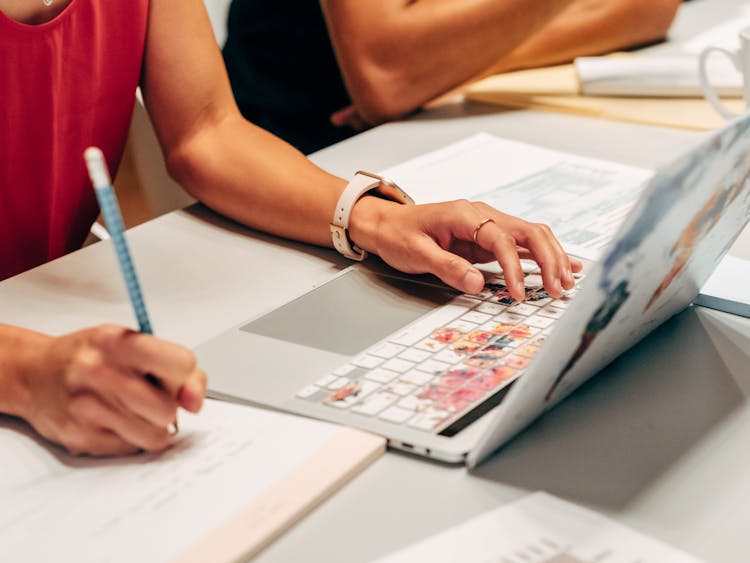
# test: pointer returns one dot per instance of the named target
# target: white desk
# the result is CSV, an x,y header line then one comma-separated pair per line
x,y
658,441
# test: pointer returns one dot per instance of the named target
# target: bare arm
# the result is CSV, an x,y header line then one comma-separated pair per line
x,y
593,27
396,55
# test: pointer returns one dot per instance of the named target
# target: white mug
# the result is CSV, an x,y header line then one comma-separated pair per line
x,y
740,59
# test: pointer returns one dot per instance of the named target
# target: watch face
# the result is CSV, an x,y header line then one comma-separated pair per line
x,y
389,189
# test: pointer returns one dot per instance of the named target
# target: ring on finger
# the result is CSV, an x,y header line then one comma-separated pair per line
x,y
479,226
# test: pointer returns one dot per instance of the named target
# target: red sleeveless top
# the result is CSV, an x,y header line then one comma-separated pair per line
x,y
64,85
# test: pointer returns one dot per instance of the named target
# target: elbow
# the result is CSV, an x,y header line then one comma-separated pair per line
x,y
383,92
185,163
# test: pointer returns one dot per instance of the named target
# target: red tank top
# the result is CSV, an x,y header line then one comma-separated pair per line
x,y
64,85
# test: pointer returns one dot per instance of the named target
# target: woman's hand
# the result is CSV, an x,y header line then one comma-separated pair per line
x,y
446,239
109,390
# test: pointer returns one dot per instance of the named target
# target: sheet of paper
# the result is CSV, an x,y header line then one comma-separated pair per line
x,y
148,507
584,200
540,528
727,288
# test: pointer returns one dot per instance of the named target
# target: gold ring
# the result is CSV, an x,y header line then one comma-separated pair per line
x,y
481,224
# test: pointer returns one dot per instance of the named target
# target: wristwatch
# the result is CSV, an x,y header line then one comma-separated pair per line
x,y
362,183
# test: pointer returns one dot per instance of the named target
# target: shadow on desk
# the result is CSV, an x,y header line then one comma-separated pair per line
x,y
625,428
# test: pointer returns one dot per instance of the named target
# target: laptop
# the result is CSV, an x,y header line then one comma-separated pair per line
x,y
453,377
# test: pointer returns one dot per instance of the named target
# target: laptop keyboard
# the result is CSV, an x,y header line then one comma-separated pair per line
x,y
433,372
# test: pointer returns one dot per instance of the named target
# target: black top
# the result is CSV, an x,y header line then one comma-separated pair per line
x,y
284,72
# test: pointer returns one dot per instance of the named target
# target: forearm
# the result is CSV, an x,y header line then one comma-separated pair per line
x,y
18,349
593,27
255,178
396,55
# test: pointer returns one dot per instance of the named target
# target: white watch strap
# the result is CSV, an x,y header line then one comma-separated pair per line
x,y
359,185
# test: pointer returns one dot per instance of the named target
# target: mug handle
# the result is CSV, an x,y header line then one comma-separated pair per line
x,y
708,89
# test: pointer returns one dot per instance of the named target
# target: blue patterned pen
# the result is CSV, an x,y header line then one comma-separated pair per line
x,y
112,217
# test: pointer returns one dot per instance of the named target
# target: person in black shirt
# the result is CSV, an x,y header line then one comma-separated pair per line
x,y
316,71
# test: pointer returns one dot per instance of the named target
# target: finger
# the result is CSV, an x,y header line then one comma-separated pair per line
x,y
505,249
535,238
450,268
129,390
192,394
93,411
99,443
566,276
170,363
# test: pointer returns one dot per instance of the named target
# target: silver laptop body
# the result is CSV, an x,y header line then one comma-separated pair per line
x,y
672,240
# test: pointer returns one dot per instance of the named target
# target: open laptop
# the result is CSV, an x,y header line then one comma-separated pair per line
x,y
453,376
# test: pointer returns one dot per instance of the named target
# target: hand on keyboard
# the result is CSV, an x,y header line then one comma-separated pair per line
x,y
446,239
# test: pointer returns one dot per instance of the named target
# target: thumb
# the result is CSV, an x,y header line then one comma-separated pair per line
x,y
451,268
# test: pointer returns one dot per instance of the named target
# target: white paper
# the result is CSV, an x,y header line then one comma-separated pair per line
x,y
148,507
728,289
584,200
540,528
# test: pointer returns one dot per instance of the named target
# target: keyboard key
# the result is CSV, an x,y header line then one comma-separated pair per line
x,y
368,362
416,377
432,366
350,394
326,380
523,332
428,419
488,382
448,356
447,335
503,372
476,317
399,388
456,377
463,326
423,327
399,365
466,347
414,355
528,351
533,281
509,318
433,392
338,383
308,391
375,403
523,309
561,303
386,350
381,375
414,404
396,415
539,322
480,336
343,370
552,312
516,362
465,302
468,394
430,345
490,308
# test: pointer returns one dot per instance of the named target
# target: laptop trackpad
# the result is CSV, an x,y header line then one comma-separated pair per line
x,y
350,313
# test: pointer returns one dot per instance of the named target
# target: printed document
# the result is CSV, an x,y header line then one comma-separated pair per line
x,y
540,528
151,507
583,200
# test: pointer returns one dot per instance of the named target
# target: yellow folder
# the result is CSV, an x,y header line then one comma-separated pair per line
x,y
557,89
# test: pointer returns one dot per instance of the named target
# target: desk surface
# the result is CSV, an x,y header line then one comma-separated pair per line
x,y
658,440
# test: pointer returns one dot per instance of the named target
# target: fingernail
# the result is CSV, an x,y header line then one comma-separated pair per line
x,y
473,281
558,287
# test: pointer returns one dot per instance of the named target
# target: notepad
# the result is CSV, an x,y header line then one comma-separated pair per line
x,y
236,478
